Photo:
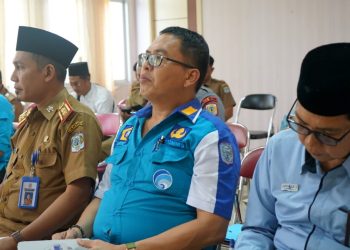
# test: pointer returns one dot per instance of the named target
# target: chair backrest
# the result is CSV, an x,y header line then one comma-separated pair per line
x,y
241,133
259,102
249,162
109,123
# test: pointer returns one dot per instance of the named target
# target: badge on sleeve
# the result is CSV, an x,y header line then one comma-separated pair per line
x,y
226,90
226,152
77,142
210,104
29,190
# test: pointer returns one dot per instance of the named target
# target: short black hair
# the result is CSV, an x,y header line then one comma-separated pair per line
x,y
193,47
211,61
134,67
42,61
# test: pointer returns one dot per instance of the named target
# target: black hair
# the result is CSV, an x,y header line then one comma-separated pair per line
x,y
211,61
42,61
193,47
134,67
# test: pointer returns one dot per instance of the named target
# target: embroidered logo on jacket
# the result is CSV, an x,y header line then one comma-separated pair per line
x,y
179,132
162,179
124,135
226,152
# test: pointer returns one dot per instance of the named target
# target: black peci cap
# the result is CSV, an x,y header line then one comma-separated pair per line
x,y
79,69
324,82
45,43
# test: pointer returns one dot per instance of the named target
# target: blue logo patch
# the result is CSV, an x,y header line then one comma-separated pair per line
x,y
162,179
226,152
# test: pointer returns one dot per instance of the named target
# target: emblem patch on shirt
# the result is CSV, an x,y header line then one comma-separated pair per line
x,y
289,187
162,179
179,132
226,152
226,90
124,135
210,104
77,141
212,108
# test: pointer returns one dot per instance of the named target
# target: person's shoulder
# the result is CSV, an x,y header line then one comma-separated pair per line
x,y
101,88
5,104
219,82
286,137
77,106
209,122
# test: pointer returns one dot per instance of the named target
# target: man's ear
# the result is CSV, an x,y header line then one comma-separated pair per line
x,y
191,77
49,72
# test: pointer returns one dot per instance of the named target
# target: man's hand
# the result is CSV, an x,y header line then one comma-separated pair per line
x,y
99,245
8,243
72,233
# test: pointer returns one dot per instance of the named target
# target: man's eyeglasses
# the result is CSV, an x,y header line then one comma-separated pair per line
x,y
156,60
303,130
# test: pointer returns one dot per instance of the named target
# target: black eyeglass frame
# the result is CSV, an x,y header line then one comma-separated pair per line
x,y
147,56
321,137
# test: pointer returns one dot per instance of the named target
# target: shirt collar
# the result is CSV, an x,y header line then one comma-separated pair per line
x,y
191,110
311,166
50,109
346,165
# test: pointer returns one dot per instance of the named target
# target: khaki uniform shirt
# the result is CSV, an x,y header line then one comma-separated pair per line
x,y
135,99
69,139
14,101
222,89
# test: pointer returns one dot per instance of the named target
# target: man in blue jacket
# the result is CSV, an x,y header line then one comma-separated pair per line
x,y
172,175
6,131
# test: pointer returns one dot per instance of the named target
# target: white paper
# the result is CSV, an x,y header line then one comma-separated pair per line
x,y
50,245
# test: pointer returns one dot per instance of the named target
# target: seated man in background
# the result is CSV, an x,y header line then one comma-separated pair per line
x,y
56,144
298,197
6,131
96,97
172,176
18,107
135,100
220,88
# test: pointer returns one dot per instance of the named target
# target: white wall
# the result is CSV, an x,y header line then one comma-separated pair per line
x,y
170,13
258,45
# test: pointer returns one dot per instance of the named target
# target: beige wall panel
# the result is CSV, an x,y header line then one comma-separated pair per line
x,y
170,9
258,45
166,23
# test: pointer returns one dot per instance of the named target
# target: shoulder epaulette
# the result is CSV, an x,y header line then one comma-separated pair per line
x,y
22,119
65,110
